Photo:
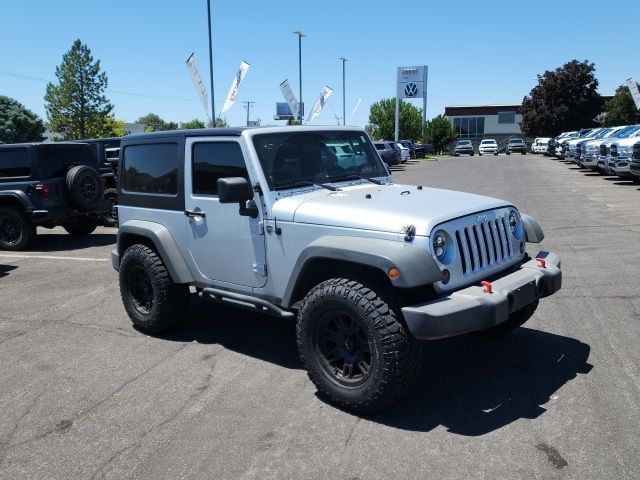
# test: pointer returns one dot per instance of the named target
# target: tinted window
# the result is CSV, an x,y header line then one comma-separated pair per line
x,y
379,146
212,161
506,117
14,163
151,168
56,160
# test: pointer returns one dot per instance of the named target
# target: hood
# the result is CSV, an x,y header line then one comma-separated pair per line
x,y
390,208
626,141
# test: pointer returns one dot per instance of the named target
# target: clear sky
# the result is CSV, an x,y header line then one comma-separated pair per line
x,y
477,52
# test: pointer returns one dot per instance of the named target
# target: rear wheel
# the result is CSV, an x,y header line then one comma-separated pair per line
x,y
153,302
17,232
353,347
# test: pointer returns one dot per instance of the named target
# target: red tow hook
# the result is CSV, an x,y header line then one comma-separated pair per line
x,y
486,285
541,262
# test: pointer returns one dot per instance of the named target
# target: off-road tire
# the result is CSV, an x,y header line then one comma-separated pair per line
x,y
109,219
84,187
515,320
143,274
84,226
17,232
395,356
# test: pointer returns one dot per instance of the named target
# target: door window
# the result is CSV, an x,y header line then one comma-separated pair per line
x,y
215,160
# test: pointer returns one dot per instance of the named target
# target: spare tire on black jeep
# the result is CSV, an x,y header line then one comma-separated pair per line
x,y
84,187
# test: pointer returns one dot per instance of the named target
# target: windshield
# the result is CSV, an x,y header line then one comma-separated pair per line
x,y
603,133
464,142
485,142
291,158
628,132
515,140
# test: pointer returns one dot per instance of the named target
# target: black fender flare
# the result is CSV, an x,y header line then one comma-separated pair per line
x,y
20,196
164,243
416,265
532,229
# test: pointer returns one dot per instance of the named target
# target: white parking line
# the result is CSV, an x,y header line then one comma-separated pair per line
x,y
52,257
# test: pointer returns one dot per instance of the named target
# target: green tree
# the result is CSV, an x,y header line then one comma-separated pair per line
x,y
383,113
439,132
621,110
153,123
563,99
191,124
77,107
220,123
17,123
111,127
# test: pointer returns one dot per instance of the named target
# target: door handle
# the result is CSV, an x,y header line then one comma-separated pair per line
x,y
191,213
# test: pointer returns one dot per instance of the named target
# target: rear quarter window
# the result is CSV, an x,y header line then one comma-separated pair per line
x,y
151,169
14,163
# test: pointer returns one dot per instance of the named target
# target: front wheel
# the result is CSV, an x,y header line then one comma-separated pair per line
x,y
353,347
17,232
153,302
508,152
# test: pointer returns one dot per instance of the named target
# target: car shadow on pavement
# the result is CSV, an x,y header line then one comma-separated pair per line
x,y
476,384
50,242
260,336
471,385
5,269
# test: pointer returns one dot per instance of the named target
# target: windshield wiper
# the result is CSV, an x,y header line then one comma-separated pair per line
x,y
357,177
307,183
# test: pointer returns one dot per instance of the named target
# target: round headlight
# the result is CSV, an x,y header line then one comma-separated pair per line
x,y
513,221
440,244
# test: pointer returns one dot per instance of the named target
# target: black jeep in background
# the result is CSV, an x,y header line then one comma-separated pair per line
x,y
48,185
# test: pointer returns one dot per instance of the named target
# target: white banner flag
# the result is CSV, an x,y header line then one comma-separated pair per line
x,y
354,110
197,82
235,85
633,88
325,93
288,95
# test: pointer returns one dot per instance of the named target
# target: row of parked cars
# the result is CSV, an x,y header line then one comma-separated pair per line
x,y
395,153
608,150
489,146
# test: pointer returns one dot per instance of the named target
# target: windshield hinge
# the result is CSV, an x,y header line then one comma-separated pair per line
x,y
260,269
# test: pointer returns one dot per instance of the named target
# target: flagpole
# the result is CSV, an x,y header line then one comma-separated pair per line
x,y
213,105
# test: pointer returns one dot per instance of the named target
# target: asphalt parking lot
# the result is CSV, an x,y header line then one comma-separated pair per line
x,y
84,395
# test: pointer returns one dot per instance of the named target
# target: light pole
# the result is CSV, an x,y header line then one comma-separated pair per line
x,y
300,35
213,105
344,112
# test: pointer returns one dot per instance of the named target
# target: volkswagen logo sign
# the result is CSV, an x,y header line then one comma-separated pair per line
x,y
411,89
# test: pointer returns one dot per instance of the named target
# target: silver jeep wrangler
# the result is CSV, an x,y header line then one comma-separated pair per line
x,y
272,220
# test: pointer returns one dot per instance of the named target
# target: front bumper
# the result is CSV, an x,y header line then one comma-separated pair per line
x,y
471,309
115,260
623,169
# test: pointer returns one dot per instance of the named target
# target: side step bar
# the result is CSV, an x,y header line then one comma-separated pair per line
x,y
246,301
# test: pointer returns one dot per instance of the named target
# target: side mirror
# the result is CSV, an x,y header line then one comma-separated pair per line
x,y
238,190
234,190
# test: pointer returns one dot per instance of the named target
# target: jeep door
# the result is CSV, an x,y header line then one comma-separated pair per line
x,y
225,246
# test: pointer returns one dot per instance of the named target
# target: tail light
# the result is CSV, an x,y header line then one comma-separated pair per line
x,y
43,190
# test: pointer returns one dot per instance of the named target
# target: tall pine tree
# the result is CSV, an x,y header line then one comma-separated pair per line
x,y
77,107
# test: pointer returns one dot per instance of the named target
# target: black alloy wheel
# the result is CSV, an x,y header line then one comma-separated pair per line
x,y
343,349
140,289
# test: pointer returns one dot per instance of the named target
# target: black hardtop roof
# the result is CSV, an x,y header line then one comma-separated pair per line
x,y
107,139
75,144
197,132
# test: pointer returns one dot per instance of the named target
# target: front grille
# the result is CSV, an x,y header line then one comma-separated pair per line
x,y
603,151
483,245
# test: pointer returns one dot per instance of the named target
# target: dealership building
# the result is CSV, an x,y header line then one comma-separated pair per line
x,y
476,122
